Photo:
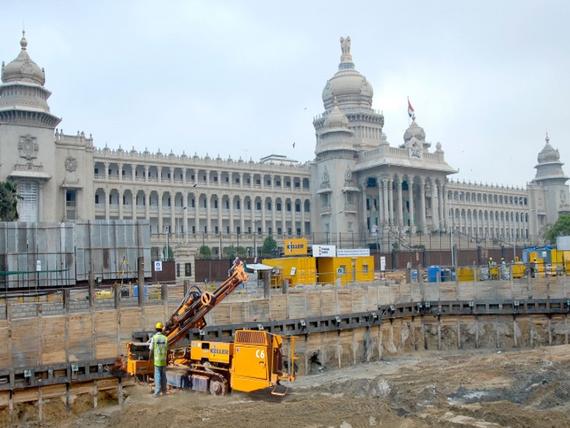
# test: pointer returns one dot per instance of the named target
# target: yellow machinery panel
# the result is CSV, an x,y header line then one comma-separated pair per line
x,y
215,352
297,270
295,247
251,364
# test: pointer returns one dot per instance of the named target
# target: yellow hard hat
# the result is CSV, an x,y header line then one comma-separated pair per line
x,y
159,326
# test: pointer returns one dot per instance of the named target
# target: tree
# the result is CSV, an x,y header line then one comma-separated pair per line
x,y
269,247
8,201
204,252
229,252
167,253
560,228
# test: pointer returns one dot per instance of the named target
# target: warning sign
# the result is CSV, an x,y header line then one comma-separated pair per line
x,y
295,247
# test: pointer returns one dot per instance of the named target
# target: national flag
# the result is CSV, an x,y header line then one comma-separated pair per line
x,y
411,111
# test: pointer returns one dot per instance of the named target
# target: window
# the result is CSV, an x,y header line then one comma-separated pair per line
x,y
177,270
70,204
96,199
364,268
187,269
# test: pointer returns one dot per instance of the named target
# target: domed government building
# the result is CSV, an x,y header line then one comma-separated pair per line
x,y
358,191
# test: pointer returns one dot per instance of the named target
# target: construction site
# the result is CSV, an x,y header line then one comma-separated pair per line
x,y
347,342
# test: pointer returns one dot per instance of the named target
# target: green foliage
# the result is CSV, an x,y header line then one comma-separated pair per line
x,y
229,252
204,252
560,228
167,253
8,201
269,247
233,251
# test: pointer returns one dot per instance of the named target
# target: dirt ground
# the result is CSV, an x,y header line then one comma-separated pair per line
x,y
483,389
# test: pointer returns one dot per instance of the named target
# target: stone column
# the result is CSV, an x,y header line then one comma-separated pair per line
x,y
133,171
445,207
241,216
411,200
434,206
273,216
106,170
400,203
440,199
423,204
208,211
391,202
120,166
364,211
380,202
262,212
160,229
185,213
220,217
197,212
385,211
231,202
172,211
145,173
134,205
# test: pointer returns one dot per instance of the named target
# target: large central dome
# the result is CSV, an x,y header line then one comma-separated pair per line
x,y
350,88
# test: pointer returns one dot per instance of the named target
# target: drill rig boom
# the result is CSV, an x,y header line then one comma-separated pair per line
x,y
190,314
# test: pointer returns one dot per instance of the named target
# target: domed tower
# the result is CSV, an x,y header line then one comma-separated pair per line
x,y
23,98
29,152
332,173
353,94
550,195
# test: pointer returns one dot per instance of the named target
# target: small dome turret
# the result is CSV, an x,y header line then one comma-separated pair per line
x,y
548,153
414,131
336,118
23,69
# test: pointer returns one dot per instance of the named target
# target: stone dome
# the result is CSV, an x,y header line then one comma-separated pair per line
x,y
548,153
336,118
23,69
347,86
414,131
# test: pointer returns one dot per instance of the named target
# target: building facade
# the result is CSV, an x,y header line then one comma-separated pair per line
x,y
357,185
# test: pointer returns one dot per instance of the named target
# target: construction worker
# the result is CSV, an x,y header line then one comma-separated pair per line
x,y
158,347
533,268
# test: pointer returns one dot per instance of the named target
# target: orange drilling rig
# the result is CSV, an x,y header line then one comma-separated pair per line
x,y
253,361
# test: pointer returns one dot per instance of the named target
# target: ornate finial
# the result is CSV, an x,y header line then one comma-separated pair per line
x,y
23,41
345,49
547,138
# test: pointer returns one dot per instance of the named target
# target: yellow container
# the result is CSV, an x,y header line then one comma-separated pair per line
x,y
518,270
347,269
298,270
466,274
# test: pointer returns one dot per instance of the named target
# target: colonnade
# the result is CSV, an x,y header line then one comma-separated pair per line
x,y
414,201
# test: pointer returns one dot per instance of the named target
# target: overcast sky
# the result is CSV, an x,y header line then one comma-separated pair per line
x,y
487,78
